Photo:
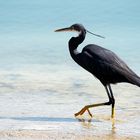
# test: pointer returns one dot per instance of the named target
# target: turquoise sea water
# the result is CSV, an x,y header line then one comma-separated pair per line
x,y
27,30
36,68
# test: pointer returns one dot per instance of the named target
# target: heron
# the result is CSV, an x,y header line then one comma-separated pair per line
x,y
102,63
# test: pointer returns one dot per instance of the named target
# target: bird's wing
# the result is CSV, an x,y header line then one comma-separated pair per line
x,y
108,61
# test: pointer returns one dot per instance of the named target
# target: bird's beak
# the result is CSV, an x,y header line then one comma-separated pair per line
x,y
64,29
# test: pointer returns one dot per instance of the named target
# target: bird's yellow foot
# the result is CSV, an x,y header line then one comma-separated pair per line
x,y
82,111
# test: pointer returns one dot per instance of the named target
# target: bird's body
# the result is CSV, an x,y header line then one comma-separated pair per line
x,y
102,63
105,65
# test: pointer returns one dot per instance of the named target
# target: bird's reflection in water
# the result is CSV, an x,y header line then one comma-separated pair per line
x,y
85,122
89,122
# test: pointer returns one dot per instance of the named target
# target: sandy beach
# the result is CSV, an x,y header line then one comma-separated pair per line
x,y
100,127
65,131
45,135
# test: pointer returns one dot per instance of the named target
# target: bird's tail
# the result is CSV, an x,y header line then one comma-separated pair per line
x,y
135,80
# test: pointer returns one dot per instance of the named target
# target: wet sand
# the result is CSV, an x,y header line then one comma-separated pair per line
x,y
43,128
46,135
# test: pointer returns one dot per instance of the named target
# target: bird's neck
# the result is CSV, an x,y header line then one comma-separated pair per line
x,y
74,42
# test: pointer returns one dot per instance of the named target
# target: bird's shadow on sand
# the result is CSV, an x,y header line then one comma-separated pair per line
x,y
49,119
86,123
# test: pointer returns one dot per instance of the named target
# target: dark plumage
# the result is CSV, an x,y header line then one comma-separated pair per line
x,y
102,63
106,66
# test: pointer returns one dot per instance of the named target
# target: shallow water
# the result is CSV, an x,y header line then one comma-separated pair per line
x,y
40,85
39,104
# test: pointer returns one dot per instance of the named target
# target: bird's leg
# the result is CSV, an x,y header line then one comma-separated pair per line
x,y
112,101
89,106
89,113
113,111
82,111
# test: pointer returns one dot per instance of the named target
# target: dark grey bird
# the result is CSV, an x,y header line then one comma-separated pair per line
x,y
102,63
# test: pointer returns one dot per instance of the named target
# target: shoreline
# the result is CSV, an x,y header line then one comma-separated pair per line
x,y
46,135
68,129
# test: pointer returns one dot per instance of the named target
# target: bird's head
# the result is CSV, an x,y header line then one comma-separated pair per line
x,y
75,27
78,28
